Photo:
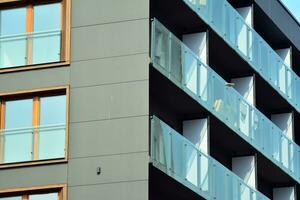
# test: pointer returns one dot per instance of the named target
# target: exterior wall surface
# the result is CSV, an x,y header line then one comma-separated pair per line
x,y
109,101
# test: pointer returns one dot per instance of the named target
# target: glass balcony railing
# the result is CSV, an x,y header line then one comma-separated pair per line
x,y
29,144
30,49
180,159
231,26
178,63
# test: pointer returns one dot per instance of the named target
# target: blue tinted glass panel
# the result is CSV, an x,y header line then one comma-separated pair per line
x,y
46,47
18,114
10,198
53,110
12,38
47,17
18,134
12,21
12,51
50,196
52,131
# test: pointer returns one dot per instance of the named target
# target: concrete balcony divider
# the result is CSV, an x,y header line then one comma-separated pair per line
x,y
231,26
180,65
180,159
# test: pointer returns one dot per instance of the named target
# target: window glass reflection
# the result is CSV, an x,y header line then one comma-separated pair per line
x,y
50,196
12,21
53,110
47,17
18,137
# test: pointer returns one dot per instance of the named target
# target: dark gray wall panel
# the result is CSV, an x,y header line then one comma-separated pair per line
x,y
33,176
33,79
114,168
110,70
137,190
89,12
108,40
109,101
106,137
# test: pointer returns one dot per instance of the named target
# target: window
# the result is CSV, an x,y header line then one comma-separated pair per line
x,y
56,192
34,126
35,34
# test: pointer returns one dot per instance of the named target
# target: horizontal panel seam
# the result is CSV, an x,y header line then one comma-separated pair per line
x,y
108,183
108,119
108,155
113,22
107,84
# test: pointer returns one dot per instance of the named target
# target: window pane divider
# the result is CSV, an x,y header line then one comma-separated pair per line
x,y
2,126
35,124
29,30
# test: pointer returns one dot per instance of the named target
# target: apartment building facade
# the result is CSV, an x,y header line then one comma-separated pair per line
x,y
149,99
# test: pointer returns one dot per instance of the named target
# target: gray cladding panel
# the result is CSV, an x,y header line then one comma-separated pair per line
x,y
118,191
33,176
114,168
109,101
110,70
109,137
109,40
90,12
34,79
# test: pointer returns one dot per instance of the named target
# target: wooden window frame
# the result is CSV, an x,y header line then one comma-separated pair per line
x,y
35,122
61,189
65,33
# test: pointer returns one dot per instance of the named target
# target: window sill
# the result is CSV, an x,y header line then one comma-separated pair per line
x,y
33,67
33,163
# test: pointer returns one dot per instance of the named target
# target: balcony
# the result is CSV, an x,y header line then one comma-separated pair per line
x,y
230,26
179,64
180,159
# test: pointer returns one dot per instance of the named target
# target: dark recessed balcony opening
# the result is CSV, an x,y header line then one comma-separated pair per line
x,y
177,17
172,105
162,187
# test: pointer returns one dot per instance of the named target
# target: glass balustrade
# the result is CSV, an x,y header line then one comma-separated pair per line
x,y
30,49
177,62
230,25
180,159
28,144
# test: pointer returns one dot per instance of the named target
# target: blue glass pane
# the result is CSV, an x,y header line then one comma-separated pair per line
x,y
52,138
12,44
50,196
18,134
18,114
10,198
52,142
47,17
12,51
12,21
46,47
53,110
